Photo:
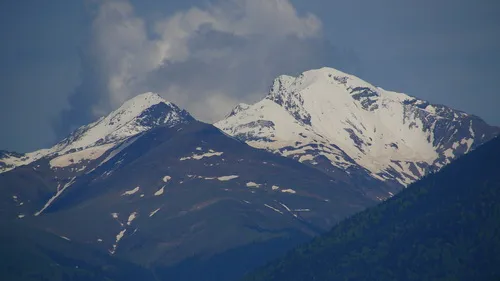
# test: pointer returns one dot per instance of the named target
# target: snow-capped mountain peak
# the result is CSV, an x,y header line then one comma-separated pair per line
x,y
326,113
133,117
137,115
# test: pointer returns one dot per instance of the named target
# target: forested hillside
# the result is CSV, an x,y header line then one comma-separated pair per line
x,y
444,227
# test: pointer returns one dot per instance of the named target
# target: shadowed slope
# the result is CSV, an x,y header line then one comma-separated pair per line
x,y
444,227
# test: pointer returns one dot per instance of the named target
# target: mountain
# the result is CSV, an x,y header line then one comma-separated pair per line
x,y
341,124
44,174
137,115
444,227
150,185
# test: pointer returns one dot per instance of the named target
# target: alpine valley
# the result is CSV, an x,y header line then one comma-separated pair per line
x,y
150,193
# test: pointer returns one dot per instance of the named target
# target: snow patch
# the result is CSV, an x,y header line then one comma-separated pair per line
x,y
201,156
288,191
65,238
160,191
119,237
306,157
58,193
288,209
131,218
449,153
204,178
154,212
228,178
79,156
131,192
253,184
166,178
274,209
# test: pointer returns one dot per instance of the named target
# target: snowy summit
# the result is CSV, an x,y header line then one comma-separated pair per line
x,y
91,141
336,121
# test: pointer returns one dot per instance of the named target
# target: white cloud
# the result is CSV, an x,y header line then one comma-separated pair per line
x,y
121,45
182,51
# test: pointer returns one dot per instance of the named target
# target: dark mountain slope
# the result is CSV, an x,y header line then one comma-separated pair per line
x,y
28,254
190,197
444,227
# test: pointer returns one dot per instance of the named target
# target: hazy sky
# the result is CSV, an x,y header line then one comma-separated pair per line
x,y
65,63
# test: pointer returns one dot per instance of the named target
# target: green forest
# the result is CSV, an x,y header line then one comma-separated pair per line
x,y
444,227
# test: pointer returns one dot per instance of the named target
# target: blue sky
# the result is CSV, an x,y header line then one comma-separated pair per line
x,y
65,63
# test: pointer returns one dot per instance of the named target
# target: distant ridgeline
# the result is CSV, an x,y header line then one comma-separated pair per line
x,y
444,227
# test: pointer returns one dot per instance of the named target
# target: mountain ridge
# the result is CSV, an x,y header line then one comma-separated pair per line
x,y
135,116
325,113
